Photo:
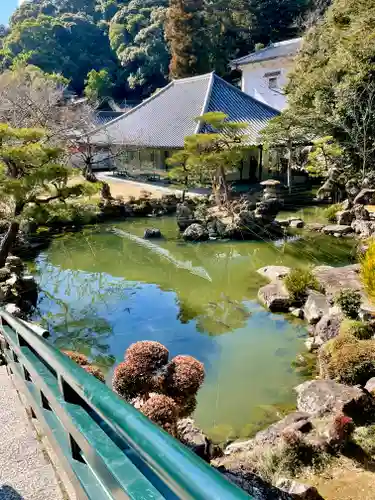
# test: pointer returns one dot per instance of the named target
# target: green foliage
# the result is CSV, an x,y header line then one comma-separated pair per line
x,y
358,329
331,89
209,156
325,154
365,438
98,85
298,282
331,212
349,301
368,270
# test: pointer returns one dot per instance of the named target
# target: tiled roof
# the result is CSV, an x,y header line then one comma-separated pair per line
x,y
103,117
167,117
273,51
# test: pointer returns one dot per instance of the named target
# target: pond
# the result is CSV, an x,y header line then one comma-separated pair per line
x,y
104,288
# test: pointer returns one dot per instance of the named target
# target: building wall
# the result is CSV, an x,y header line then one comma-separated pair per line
x,y
256,83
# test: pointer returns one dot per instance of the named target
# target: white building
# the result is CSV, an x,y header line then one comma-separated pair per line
x,y
264,72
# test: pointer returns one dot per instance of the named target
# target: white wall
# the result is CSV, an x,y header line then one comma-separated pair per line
x,y
256,84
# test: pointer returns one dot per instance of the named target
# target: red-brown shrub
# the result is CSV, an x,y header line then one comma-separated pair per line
x,y
184,376
95,371
163,411
147,356
78,358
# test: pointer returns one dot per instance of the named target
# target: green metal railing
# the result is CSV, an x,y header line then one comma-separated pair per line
x,y
108,448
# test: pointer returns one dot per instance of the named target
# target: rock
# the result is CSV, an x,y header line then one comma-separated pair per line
x,y
13,309
253,484
334,279
370,385
194,438
283,223
345,217
14,264
298,491
297,421
336,228
297,312
313,343
296,223
328,326
360,213
315,226
275,296
195,232
268,209
315,307
364,228
151,233
216,229
184,216
4,274
365,197
273,273
347,204
319,397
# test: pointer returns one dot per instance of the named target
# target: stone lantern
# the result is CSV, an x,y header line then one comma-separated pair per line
x,y
270,189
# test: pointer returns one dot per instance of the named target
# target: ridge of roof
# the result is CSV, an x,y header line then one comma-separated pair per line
x,y
206,100
264,50
192,78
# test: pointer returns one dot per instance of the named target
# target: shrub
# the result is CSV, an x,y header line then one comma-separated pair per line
x,y
349,301
348,360
184,376
77,357
365,438
331,212
163,411
147,355
128,381
368,270
298,281
95,371
358,329
342,428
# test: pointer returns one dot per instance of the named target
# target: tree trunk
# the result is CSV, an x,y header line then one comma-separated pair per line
x,y
8,241
289,171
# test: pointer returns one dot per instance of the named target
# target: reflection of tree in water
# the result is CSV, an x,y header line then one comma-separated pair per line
x,y
215,318
74,306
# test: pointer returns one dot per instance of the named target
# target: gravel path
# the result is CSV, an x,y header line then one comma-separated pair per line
x,y
25,473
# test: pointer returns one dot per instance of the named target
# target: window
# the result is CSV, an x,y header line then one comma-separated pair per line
x,y
272,82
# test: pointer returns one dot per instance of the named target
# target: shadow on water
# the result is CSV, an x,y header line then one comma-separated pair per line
x,y
102,291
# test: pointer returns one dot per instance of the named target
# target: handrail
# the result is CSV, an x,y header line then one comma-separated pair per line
x,y
83,409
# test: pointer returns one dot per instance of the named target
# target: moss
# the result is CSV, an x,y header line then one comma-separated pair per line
x,y
298,281
349,360
358,329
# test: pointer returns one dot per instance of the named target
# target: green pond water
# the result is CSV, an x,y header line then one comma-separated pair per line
x,y
102,290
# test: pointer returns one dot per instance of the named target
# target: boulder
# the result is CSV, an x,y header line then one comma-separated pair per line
x,y
195,232
296,223
253,484
298,421
298,491
283,223
13,309
370,385
347,204
345,217
337,229
297,312
273,273
315,226
319,397
194,438
360,213
4,274
334,279
365,197
364,228
14,264
184,216
151,233
275,296
315,307
328,326
313,343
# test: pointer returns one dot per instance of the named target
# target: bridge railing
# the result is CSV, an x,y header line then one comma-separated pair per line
x,y
108,449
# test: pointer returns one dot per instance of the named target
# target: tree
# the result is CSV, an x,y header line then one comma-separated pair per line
x,y
31,172
331,87
184,32
210,155
324,155
98,85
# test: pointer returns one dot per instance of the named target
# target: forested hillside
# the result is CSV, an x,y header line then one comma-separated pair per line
x,y
130,44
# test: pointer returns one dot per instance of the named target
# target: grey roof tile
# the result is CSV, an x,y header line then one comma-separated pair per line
x,y
274,50
167,117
